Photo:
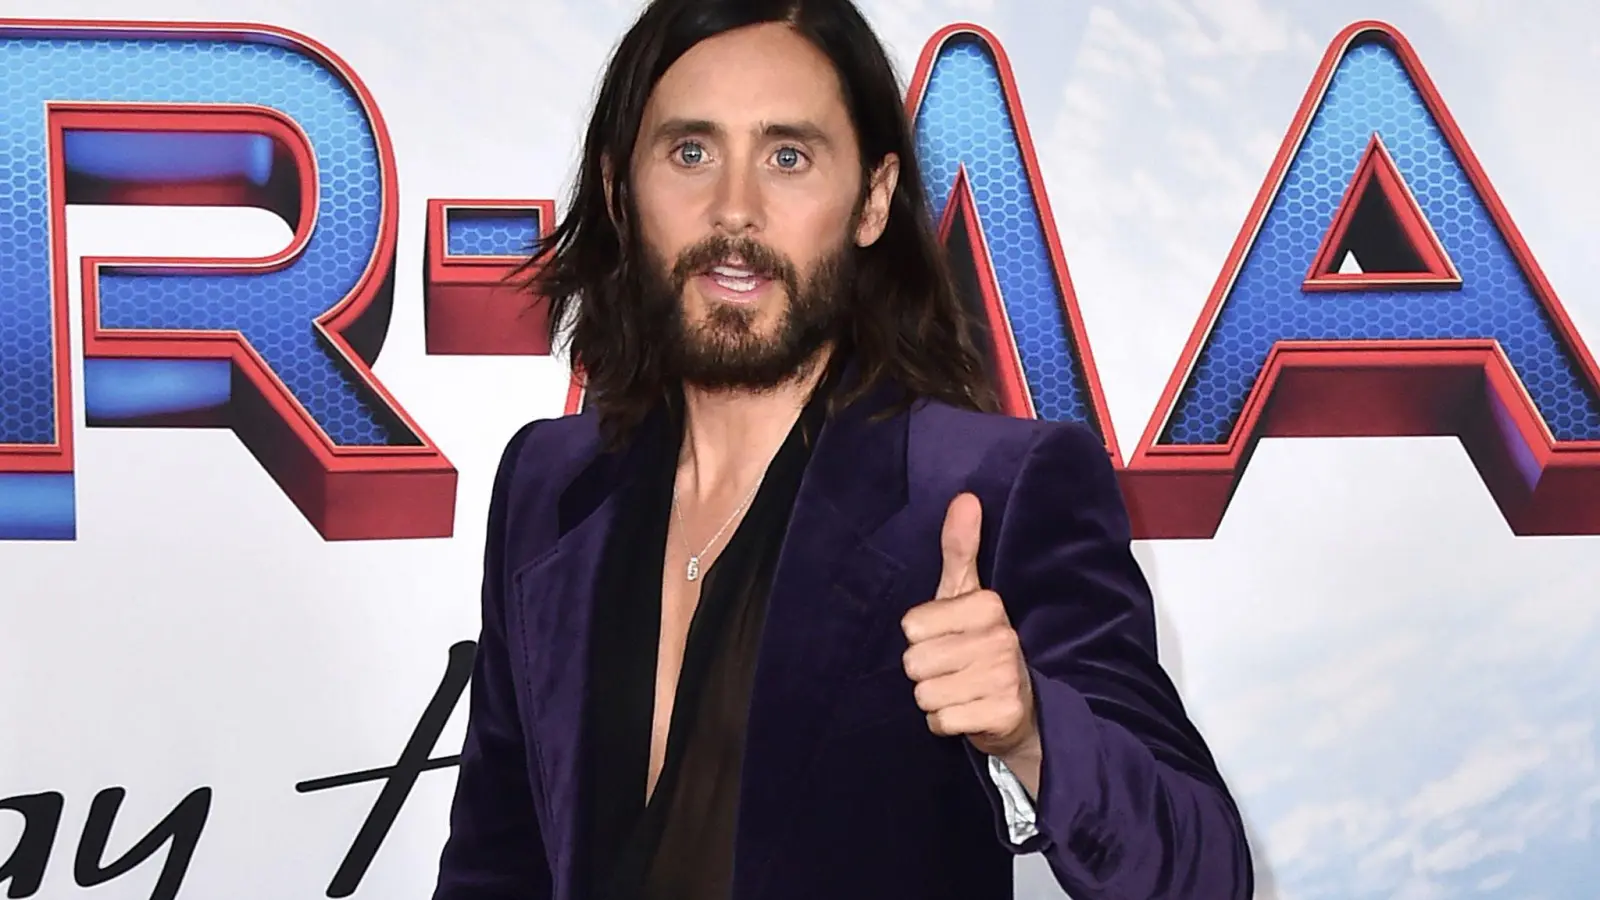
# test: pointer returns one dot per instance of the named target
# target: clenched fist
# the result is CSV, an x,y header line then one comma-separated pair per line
x,y
964,657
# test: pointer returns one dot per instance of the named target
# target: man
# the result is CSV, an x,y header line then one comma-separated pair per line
x,y
788,611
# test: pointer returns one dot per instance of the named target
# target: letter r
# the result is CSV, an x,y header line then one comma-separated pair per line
x,y
280,348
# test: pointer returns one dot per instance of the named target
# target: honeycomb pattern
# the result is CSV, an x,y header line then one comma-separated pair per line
x,y
275,310
1371,92
964,119
491,232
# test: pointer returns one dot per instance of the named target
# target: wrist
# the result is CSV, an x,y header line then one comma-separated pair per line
x,y
1026,753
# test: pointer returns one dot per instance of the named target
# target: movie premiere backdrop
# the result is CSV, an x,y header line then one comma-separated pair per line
x,y
1321,274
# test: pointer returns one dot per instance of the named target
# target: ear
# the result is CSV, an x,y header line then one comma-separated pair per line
x,y
880,191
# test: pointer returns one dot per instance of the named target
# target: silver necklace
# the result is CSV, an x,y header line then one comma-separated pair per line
x,y
692,571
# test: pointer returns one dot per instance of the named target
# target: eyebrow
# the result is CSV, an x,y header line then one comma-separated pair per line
x,y
803,131
677,129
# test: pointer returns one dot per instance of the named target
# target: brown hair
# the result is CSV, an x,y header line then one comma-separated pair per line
x,y
904,321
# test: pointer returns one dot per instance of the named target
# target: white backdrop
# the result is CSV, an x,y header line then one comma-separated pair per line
x,y
1403,694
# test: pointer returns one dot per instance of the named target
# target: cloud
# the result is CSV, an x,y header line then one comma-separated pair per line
x,y
1115,50
1485,774
1494,882
1465,849
1502,799
1420,889
1317,833
1401,693
1247,27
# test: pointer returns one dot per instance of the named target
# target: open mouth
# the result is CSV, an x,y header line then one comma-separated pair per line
x,y
732,281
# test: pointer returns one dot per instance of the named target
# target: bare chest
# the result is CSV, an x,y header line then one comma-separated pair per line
x,y
680,597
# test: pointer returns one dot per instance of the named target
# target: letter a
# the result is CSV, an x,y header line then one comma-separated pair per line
x,y
1378,288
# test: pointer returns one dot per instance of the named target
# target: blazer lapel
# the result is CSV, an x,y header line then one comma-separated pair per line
x,y
557,592
825,593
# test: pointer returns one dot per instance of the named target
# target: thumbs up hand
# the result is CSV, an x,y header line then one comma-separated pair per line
x,y
964,657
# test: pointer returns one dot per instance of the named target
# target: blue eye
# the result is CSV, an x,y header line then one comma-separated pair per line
x,y
691,153
788,157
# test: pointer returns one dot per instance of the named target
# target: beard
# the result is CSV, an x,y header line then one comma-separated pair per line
x,y
724,351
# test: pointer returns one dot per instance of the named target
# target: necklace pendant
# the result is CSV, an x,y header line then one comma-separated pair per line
x,y
693,571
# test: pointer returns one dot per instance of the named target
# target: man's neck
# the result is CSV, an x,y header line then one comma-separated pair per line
x,y
729,437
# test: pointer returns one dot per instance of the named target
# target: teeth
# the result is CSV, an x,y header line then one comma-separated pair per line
x,y
735,279
732,284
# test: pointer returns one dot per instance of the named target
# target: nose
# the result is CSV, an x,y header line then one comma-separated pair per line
x,y
738,207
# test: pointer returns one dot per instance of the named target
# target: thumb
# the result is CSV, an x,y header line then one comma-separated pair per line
x,y
959,542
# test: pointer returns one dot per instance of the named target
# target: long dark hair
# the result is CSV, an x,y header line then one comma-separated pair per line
x,y
904,322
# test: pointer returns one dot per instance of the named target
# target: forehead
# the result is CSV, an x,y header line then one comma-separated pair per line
x,y
761,73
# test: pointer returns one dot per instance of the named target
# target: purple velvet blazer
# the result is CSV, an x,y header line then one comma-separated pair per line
x,y
845,793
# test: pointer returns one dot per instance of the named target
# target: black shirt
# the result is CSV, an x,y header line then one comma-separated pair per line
x,y
679,846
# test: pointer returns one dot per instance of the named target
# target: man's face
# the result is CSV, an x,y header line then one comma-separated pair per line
x,y
748,197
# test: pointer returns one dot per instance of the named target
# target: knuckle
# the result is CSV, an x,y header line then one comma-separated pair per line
x,y
1001,644
911,624
911,661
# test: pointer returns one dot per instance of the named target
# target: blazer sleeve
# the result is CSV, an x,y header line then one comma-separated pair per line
x,y
494,850
1130,801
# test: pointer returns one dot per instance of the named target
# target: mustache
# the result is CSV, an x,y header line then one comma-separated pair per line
x,y
755,256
